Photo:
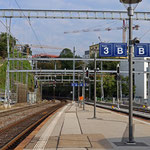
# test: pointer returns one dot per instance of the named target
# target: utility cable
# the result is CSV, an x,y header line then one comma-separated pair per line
x,y
28,20
144,34
9,31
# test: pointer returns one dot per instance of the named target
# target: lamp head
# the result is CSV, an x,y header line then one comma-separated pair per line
x,y
136,40
130,1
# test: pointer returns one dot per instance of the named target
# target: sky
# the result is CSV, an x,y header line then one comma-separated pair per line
x,y
51,32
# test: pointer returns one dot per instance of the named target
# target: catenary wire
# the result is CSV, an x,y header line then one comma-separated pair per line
x,y
28,20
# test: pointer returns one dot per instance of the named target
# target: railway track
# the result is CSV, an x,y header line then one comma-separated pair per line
x,y
139,112
12,135
16,110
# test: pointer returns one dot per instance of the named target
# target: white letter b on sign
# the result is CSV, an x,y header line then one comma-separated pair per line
x,y
141,51
120,50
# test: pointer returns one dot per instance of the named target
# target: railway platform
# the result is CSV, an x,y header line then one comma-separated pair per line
x,y
72,128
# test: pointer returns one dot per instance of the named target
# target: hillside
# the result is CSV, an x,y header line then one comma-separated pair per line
x,y
26,66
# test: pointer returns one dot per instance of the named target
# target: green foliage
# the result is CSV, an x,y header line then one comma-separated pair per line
x,y
66,53
111,65
110,86
3,69
125,86
46,65
16,65
3,44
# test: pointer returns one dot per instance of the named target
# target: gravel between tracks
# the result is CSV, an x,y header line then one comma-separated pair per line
x,y
6,120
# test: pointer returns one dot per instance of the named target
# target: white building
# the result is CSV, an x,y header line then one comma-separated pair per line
x,y
140,79
86,54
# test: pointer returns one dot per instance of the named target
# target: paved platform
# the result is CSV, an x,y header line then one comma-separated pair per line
x,y
73,128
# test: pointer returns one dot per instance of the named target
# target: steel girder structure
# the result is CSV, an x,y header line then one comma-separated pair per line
x,y
76,59
71,71
64,80
71,14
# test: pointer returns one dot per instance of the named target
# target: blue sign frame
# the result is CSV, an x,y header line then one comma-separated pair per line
x,y
78,84
142,50
113,49
120,49
105,49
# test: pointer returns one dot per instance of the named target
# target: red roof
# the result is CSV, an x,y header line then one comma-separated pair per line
x,y
44,55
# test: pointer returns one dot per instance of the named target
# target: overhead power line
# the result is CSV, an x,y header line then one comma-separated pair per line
x,y
28,20
9,31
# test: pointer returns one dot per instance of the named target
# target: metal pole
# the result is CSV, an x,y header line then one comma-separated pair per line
x,y
12,78
89,89
41,90
17,74
27,79
120,90
73,95
95,84
21,65
117,90
83,89
118,79
148,82
131,138
54,92
55,65
78,88
102,88
8,65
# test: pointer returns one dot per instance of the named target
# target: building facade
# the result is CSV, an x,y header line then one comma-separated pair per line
x,y
140,79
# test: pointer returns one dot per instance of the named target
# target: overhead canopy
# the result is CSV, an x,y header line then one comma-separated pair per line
x,y
130,1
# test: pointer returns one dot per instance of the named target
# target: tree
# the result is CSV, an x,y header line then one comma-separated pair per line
x,y
3,44
46,65
66,53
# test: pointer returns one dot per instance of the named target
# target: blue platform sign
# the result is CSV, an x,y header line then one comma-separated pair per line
x,y
81,84
120,49
142,50
113,49
75,84
106,50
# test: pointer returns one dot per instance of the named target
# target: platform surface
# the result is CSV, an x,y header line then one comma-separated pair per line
x,y
73,128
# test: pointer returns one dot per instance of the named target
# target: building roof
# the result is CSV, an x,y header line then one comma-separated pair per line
x,y
44,55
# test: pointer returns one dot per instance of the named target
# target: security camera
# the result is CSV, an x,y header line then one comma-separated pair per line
x,y
136,40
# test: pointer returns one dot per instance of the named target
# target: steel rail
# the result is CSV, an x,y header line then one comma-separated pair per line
x,y
16,110
30,128
139,112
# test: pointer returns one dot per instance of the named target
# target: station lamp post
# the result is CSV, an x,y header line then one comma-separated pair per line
x,y
130,5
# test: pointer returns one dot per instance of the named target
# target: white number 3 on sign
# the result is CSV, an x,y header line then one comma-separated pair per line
x,y
106,50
